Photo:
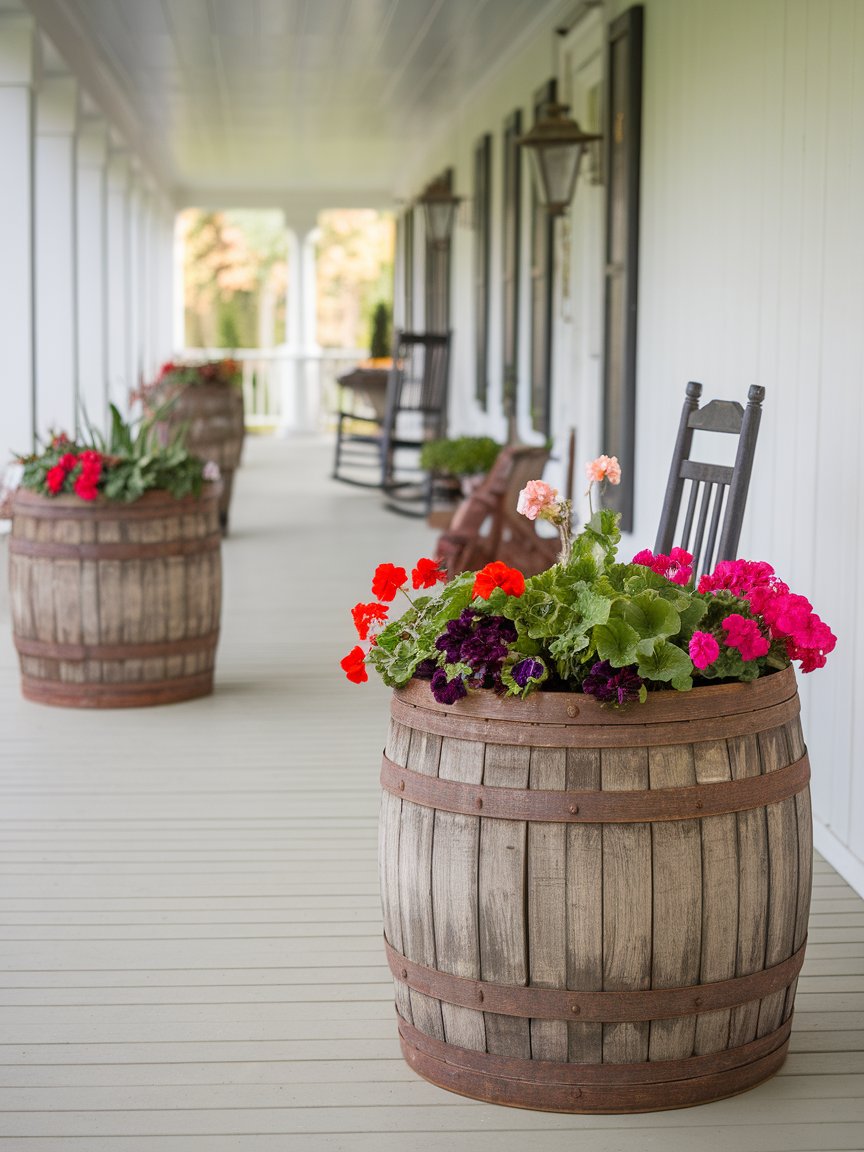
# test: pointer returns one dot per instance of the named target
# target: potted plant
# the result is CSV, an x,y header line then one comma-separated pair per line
x,y
464,457
457,467
115,570
381,339
595,825
206,399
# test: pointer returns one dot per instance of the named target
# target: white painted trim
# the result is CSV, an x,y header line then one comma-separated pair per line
x,y
839,856
19,62
57,106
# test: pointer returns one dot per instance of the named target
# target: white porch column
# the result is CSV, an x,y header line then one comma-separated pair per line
x,y
170,295
133,277
117,280
55,255
301,383
18,70
163,342
91,232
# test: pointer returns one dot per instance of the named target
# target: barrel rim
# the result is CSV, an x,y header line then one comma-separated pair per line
x,y
576,708
156,501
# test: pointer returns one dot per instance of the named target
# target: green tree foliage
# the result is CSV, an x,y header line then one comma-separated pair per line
x,y
235,272
355,273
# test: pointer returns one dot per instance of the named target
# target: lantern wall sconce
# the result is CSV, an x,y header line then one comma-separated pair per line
x,y
439,209
556,145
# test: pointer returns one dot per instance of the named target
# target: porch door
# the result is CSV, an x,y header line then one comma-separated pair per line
x,y
578,304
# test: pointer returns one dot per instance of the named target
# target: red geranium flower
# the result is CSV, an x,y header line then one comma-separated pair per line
x,y
365,614
354,665
498,575
68,461
387,581
427,573
55,478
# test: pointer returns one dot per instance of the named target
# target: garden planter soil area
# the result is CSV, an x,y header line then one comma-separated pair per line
x,y
113,604
597,910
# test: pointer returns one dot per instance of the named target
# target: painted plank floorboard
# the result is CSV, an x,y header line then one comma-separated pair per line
x,y
190,955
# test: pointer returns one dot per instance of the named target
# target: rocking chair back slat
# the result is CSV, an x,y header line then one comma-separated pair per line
x,y
715,489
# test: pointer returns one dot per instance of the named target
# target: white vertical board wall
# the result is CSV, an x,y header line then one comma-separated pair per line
x,y
752,272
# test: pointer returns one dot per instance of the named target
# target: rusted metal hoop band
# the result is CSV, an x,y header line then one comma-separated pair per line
x,y
51,650
556,1072
113,550
692,802
518,1088
608,735
606,1007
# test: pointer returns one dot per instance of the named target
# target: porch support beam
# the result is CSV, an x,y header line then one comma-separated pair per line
x,y
117,278
19,64
55,255
91,205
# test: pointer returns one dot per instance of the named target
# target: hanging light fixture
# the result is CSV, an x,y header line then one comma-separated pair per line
x,y
556,145
439,209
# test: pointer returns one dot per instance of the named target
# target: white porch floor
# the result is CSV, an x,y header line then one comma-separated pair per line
x,y
189,921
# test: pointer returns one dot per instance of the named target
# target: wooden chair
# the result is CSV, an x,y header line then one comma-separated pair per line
x,y
416,413
378,446
486,525
717,493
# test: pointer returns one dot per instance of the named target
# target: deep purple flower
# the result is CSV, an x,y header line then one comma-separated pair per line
x,y
425,670
612,685
455,634
528,669
447,691
480,641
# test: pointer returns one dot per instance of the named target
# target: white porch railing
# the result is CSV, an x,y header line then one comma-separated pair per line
x,y
287,389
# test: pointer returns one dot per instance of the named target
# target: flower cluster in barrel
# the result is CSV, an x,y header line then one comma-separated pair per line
x,y
122,466
589,623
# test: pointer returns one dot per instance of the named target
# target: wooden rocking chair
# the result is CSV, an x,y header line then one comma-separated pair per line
x,y
723,489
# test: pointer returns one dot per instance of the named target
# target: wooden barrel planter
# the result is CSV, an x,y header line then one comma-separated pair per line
x,y
591,910
213,416
115,605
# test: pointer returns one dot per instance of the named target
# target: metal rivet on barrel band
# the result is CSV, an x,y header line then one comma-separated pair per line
x,y
574,808
575,1009
479,801
401,785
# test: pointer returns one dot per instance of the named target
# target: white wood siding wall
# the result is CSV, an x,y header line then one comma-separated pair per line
x,y
751,271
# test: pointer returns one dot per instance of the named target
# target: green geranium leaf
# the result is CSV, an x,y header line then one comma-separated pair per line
x,y
616,642
666,663
650,615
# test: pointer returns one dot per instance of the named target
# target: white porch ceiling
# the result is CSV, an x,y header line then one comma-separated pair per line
x,y
268,99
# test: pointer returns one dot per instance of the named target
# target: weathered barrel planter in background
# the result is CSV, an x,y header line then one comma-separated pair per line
x,y
214,418
597,910
116,604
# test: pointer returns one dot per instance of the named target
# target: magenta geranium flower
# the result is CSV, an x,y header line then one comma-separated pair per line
x,y
703,649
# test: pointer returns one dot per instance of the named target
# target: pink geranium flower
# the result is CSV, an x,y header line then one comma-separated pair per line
x,y
536,498
744,635
704,649
604,468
